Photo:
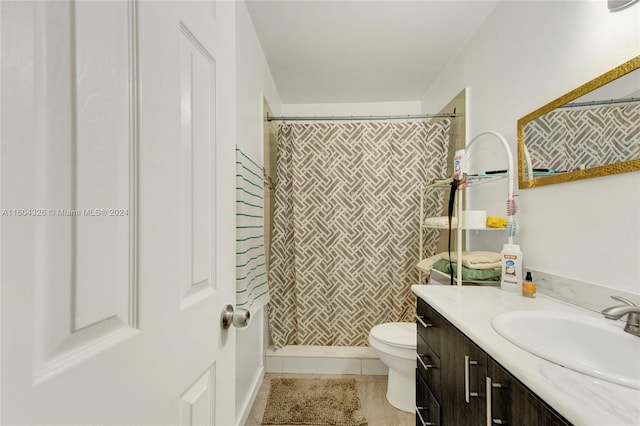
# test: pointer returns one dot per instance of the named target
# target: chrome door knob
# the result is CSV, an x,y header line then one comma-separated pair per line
x,y
226,318
240,318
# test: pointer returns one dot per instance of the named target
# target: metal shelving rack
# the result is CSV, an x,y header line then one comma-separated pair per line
x,y
442,184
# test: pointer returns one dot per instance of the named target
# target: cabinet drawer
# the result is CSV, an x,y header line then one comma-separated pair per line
x,y
428,364
427,408
429,325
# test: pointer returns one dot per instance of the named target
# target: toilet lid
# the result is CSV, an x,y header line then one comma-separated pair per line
x,y
401,334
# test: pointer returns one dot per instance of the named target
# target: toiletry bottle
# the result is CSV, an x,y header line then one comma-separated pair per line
x,y
528,286
511,268
460,169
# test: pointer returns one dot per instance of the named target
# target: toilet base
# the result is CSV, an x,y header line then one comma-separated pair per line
x,y
401,391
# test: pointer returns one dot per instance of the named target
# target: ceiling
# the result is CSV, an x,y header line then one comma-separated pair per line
x,y
361,51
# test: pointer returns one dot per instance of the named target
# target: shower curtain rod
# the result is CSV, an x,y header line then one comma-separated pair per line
x,y
361,117
593,103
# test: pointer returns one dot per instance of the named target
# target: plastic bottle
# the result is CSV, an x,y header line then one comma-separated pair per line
x,y
511,268
460,168
528,286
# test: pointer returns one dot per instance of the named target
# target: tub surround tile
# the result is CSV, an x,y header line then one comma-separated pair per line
x,y
273,364
324,360
306,351
322,365
581,399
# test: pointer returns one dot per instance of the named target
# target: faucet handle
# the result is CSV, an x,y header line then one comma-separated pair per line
x,y
623,300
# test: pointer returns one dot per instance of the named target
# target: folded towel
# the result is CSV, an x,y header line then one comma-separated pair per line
x,y
426,264
477,259
441,221
496,222
442,265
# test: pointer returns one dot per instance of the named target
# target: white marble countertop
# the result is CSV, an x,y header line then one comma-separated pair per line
x,y
581,399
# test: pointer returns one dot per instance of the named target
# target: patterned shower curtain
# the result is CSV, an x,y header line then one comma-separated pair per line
x,y
345,227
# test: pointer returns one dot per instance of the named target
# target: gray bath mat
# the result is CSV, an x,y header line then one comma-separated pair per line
x,y
313,402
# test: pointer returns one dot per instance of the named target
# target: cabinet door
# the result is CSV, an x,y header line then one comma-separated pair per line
x,y
463,366
512,403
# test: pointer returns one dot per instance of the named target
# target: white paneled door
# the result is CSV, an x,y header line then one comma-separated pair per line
x,y
117,199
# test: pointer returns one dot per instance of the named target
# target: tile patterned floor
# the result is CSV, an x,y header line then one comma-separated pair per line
x,y
371,390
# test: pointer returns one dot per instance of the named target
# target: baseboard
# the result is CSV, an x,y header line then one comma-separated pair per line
x,y
252,398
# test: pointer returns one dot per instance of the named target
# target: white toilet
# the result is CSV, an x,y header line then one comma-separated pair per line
x,y
395,345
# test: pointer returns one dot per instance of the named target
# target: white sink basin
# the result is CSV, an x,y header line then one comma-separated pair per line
x,y
597,347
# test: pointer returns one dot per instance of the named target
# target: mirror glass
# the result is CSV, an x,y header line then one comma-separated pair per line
x,y
591,131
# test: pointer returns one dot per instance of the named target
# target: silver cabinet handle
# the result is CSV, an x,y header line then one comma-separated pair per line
x,y
422,323
467,378
489,387
420,416
488,410
425,366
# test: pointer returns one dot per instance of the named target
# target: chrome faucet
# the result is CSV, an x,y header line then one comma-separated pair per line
x,y
630,309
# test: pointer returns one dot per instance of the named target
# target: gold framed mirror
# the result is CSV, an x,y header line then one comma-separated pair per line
x,y
592,131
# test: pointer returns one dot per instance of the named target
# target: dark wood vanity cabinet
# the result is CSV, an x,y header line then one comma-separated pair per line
x,y
513,403
453,376
463,364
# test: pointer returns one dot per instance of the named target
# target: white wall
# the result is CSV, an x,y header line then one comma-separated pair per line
x,y
525,55
254,81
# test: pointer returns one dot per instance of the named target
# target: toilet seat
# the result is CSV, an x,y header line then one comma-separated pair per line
x,y
398,334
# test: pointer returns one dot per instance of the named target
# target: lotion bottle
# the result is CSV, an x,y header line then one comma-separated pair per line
x,y
511,268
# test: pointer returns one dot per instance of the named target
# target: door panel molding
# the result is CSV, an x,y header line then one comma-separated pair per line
x,y
197,403
88,257
197,107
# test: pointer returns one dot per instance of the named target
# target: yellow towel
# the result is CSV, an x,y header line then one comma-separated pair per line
x,y
496,222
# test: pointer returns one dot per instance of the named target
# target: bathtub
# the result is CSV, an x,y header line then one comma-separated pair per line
x,y
324,360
